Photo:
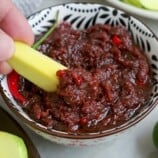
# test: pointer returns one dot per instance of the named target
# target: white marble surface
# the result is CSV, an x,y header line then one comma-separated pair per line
x,y
138,144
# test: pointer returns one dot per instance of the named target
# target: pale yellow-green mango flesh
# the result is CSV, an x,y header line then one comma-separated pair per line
x,y
149,4
12,146
36,67
134,2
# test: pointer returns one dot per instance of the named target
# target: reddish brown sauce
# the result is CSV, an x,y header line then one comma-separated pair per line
x,y
107,82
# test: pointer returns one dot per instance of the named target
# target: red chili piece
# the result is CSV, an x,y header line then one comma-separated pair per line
x,y
13,80
78,79
60,73
116,40
83,121
141,83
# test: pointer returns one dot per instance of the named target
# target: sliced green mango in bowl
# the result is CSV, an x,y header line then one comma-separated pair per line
x,y
133,2
147,4
12,146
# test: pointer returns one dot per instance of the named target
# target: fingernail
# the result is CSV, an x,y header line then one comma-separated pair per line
x,y
6,46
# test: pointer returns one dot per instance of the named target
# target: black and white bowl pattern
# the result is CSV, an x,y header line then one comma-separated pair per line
x,y
81,16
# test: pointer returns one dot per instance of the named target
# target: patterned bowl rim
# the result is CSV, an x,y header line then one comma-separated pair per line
x,y
116,130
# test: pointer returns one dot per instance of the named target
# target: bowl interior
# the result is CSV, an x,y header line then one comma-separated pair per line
x,y
81,16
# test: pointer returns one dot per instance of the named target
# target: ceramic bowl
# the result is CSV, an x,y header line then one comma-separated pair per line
x,y
82,15
141,12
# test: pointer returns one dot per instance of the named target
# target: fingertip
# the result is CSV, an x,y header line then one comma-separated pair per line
x,y
17,26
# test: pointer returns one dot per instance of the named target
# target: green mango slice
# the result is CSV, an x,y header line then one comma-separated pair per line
x,y
12,146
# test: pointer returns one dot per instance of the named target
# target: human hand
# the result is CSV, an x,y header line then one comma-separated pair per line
x,y
13,26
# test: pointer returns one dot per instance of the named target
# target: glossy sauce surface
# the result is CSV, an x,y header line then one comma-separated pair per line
x,y
107,81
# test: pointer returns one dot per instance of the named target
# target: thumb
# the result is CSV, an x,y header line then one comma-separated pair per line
x,y
6,46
